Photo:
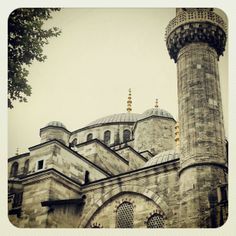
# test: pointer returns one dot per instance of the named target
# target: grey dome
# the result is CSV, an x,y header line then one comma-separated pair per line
x,y
56,124
116,118
163,157
155,112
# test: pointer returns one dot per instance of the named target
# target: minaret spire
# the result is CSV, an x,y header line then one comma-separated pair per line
x,y
156,104
129,102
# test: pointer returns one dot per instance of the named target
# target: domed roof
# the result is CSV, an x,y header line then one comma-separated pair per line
x,y
156,111
116,118
163,157
56,124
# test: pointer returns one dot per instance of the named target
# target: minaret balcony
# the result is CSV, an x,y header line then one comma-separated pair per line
x,y
193,26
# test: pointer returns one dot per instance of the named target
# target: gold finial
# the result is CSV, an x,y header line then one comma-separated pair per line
x,y
17,151
177,134
129,102
156,105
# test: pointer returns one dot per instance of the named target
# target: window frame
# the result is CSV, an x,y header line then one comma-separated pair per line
x,y
37,163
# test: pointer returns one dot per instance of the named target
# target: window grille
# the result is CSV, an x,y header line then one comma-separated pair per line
x,y
155,221
125,215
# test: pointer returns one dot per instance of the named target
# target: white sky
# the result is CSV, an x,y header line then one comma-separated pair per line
x,y
100,54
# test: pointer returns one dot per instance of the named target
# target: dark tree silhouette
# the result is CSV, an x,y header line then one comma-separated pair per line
x,y
26,38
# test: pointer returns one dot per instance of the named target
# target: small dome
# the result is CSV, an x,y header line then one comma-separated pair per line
x,y
163,157
155,112
116,118
56,124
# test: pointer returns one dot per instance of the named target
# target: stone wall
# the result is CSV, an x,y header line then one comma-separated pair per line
x,y
148,155
100,155
151,190
155,134
143,207
57,156
154,188
197,184
59,133
135,159
66,161
47,185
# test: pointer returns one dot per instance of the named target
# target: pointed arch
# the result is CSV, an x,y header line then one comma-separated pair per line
x,y
98,203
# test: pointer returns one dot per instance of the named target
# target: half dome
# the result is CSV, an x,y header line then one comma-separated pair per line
x,y
163,157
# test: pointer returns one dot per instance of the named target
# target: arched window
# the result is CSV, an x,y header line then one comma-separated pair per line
x,y
73,143
86,177
14,169
126,135
89,137
125,215
26,166
155,221
107,137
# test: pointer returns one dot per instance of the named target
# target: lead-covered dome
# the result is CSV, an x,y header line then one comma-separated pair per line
x,y
156,111
116,118
163,157
56,124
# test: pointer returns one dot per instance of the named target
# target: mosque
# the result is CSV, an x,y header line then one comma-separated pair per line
x,y
131,170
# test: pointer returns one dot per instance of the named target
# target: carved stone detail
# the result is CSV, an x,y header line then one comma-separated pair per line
x,y
196,26
194,33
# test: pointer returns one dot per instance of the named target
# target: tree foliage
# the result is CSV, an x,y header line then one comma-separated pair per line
x,y
26,38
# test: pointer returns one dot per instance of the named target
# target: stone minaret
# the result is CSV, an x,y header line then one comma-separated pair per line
x,y
195,39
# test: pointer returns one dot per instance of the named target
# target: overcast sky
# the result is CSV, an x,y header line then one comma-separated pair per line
x,y
100,54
